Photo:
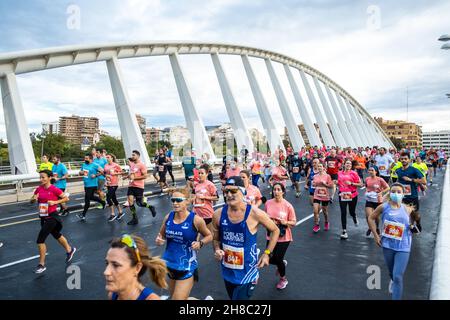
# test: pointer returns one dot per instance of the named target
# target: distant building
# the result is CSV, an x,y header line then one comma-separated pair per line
x,y
142,125
152,135
437,140
78,130
257,136
50,128
178,136
409,132
220,133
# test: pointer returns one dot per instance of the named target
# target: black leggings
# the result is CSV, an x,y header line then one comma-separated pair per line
x,y
352,209
278,256
111,197
88,196
51,226
169,169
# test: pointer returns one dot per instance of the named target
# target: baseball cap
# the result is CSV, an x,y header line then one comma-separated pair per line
x,y
237,182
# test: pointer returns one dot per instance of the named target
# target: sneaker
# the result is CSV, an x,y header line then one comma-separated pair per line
x,y
40,268
1,244
70,254
64,213
316,228
298,194
282,283
133,221
81,216
327,226
344,235
209,298
121,215
331,201
368,232
390,286
355,221
112,218
152,210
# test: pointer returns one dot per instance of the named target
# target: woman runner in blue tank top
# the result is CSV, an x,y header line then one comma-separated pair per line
x,y
312,171
396,236
180,229
127,260
235,233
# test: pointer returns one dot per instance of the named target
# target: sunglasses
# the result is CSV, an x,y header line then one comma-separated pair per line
x,y
177,200
232,191
130,243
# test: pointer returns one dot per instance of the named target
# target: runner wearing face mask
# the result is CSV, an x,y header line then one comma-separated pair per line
x,y
296,164
383,161
333,163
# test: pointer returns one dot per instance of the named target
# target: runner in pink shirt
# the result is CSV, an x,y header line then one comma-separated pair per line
x,y
283,214
321,183
279,174
348,183
233,171
375,188
253,195
48,198
205,194
112,172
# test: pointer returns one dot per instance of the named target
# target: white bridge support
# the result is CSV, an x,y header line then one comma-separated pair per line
x,y
367,129
355,120
338,138
313,136
20,150
294,133
349,141
131,135
273,137
240,131
352,127
199,138
323,127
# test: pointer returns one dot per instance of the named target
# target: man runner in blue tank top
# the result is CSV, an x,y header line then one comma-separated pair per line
x,y
235,240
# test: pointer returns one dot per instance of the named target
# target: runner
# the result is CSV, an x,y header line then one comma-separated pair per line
x,y
396,236
312,171
60,175
441,158
188,163
433,158
279,174
376,188
137,176
256,166
296,165
394,166
348,181
127,261
181,229
101,181
283,214
409,177
383,161
169,157
45,164
162,169
268,171
113,171
235,229
205,193
233,170
90,172
321,184
360,165
423,168
48,198
253,194
333,164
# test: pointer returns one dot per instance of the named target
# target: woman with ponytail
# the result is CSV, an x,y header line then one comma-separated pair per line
x,y
127,261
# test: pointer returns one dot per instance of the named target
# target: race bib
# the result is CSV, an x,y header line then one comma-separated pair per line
x,y
393,230
331,164
321,191
346,196
43,209
407,189
112,171
85,172
296,170
382,168
372,197
161,168
234,257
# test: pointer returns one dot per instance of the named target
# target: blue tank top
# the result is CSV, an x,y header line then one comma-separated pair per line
x,y
396,234
143,296
179,255
239,265
311,178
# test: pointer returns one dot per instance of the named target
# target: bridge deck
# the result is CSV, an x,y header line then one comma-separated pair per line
x,y
321,266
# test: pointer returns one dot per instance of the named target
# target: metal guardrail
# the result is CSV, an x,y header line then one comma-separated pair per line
x,y
440,280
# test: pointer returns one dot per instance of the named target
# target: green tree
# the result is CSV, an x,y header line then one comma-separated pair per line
x,y
112,145
4,156
51,144
398,143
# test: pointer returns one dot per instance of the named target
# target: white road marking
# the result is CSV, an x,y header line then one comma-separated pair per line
x,y
19,261
305,219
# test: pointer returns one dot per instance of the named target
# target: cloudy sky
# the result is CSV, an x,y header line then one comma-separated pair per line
x,y
373,49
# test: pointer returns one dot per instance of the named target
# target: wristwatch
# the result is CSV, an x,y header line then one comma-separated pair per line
x,y
268,252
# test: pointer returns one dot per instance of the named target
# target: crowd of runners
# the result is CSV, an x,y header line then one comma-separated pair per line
x,y
391,182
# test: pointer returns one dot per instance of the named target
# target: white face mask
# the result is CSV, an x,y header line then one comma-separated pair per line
x,y
233,166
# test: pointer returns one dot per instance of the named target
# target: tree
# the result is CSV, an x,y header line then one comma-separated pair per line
x,y
52,144
398,143
112,145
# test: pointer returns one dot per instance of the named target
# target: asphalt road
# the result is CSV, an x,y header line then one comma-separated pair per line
x,y
320,266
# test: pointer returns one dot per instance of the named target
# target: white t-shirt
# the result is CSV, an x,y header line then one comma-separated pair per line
x,y
383,163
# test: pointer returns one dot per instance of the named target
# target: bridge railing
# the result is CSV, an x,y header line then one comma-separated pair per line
x,y
440,281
